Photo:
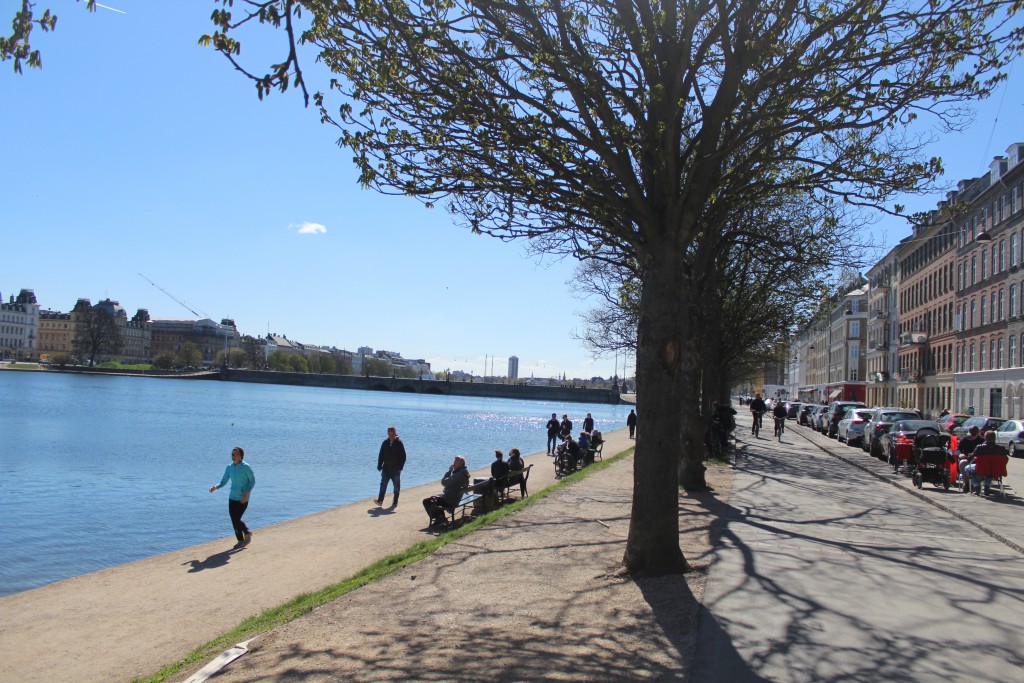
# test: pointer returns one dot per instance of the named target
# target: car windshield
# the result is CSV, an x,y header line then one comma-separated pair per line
x,y
914,425
959,420
864,414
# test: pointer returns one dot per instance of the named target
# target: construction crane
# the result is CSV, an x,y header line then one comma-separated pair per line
x,y
184,305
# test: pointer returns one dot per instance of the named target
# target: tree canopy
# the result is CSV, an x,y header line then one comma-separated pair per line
x,y
609,130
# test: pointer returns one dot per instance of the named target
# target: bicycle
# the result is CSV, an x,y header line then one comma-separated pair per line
x,y
780,426
755,429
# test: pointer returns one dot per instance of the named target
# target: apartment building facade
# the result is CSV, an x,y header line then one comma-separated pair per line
x,y
926,301
882,357
19,326
989,281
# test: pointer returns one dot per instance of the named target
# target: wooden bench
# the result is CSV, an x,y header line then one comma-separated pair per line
x,y
470,497
503,489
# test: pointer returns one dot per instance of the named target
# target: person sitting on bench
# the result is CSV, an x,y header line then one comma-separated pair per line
x,y
455,482
516,464
499,471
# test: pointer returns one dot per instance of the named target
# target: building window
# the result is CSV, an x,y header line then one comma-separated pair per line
x,y
959,276
1002,310
973,356
1002,201
984,355
984,263
1014,250
992,354
1013,351
854,328
981,319
1000,357
974,268
1002,255
1013,300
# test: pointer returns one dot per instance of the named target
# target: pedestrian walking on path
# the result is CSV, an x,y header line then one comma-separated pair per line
x,y
390,462
243,479
553,428
631,423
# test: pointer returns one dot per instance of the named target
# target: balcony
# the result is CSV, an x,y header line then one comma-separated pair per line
x,y
880,344
879,314
881,285
911,375
913,338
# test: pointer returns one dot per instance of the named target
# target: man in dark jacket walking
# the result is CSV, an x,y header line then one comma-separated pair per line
x,y
390,462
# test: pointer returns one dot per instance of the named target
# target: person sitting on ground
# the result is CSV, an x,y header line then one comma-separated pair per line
x,y
455,482
516,464
499,471
989,447
966,447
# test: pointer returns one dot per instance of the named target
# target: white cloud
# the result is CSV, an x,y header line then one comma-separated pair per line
x,y
307,228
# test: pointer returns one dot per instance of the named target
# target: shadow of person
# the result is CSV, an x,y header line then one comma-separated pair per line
x,y
212,562
377,512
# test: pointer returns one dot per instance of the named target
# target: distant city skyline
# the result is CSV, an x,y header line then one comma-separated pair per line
x,y
139,152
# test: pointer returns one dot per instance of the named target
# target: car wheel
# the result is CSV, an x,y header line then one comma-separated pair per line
x,y
1013,450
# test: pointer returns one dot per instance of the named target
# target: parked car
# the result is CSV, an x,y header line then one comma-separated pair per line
x,y
793,409
821,419
982,422
851,427
899,441
878,426
1010,435
952,421
806,414
835,414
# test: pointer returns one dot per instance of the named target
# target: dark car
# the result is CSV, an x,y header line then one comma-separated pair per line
x,y
793,409
880,422
806,413
836,410
898,443
982,422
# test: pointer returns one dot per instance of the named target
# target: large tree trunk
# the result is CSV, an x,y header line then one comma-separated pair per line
x,y
652,548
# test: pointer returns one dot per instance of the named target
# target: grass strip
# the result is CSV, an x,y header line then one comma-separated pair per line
x,y
306,602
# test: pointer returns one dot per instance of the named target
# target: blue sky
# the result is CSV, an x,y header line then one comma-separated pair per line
x,y
136,151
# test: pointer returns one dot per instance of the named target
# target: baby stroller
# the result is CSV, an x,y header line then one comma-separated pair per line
x,y
931,459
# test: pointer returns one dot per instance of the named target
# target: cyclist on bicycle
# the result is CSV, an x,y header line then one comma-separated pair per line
x,y
779,412
757,409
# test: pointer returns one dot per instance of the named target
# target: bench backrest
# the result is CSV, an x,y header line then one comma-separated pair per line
x,y
990,465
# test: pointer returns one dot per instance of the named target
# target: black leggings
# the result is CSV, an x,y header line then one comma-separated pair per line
x,y
236,509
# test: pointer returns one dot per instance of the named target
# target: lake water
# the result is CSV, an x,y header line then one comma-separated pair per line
x,y
97,471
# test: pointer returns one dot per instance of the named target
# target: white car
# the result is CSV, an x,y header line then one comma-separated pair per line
x,y
851,427
1010,435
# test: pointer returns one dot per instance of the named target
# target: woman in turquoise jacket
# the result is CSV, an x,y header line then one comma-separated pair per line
x,y
242,481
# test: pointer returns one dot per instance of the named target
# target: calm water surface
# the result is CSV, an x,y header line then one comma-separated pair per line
x,y
98,471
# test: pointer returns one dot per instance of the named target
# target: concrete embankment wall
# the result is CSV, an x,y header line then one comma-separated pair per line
x,y
425,386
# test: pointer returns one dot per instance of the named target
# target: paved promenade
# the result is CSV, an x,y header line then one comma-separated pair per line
x,y
834,568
